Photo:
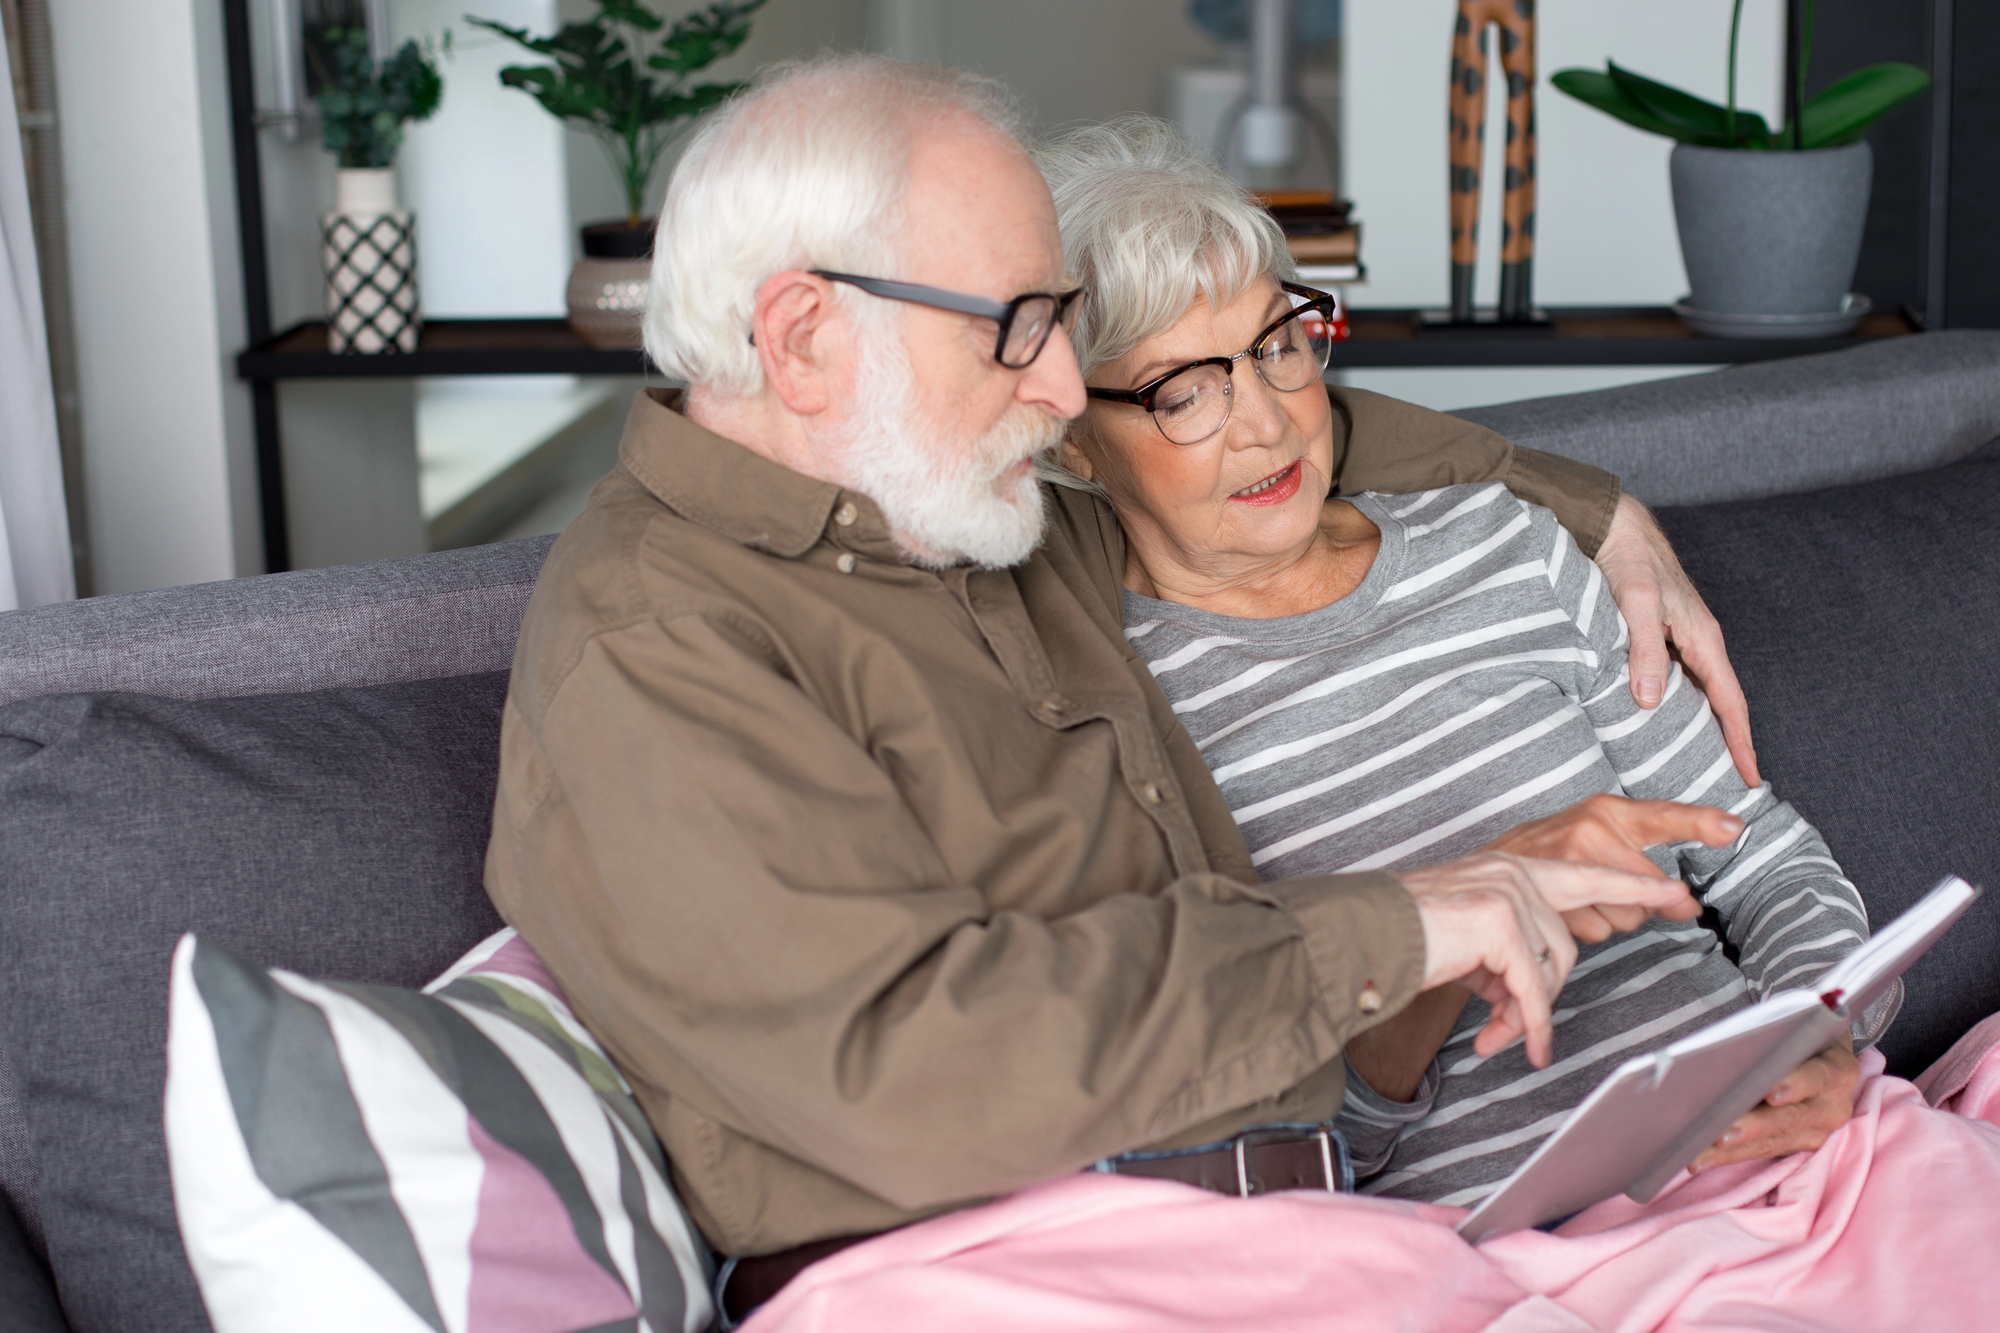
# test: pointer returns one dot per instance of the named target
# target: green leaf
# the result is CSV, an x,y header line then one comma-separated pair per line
x,y
541,46
598,79
629,11
363,106
700,39
1694,120
1845,112
1596,88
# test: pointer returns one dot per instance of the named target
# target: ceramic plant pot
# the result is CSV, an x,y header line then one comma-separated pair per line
x,y
607,288
1770,233
369,250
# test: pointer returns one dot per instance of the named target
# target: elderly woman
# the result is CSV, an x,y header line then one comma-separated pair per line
x,y
1391,681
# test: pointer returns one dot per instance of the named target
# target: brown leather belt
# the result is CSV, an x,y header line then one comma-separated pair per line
x,y
1258,1161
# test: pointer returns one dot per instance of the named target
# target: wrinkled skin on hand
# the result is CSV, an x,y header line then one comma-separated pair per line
x,y
1610,831
1813,1100
1615,831
1661,606
1799,1115
1492,922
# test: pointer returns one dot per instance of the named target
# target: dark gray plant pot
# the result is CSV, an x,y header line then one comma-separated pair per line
x,y
1770,233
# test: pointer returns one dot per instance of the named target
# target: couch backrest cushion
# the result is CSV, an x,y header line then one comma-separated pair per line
x,y
1864,622
421,617
1776,427
339,834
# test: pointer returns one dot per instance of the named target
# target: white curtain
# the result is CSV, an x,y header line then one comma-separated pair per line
x,y
35,563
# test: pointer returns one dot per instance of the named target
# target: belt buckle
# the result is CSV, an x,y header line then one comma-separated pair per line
x,y
1321,1133
1325,1138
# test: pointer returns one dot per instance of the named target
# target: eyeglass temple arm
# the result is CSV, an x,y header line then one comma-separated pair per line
x,y
917,294
1310,293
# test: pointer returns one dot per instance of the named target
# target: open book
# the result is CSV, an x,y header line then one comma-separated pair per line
x,y
1656,1113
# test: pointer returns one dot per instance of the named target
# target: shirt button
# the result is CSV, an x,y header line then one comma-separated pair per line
x,y
1370,1001
846,514
1151,791
844,562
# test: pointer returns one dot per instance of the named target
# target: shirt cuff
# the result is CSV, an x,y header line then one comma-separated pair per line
x,y
1371,1123
1583,498
1365,940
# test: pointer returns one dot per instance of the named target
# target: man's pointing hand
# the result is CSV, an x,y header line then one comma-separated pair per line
x,y
1493,922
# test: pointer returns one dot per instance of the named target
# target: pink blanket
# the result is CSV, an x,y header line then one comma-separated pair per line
x,y
1893,1224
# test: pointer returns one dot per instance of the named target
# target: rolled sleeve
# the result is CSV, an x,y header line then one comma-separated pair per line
x,y
1361,931
1583,498
1371,1123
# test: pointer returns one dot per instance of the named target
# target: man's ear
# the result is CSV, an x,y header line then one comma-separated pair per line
x,y
801,339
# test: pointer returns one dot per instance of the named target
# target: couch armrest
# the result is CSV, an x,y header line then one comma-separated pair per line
x,y
1877,410
27,1297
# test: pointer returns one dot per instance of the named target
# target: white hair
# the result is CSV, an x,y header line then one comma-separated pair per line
x,y
1149,222
806,168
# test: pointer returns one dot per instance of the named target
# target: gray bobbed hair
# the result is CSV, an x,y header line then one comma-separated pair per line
x,y
1149,223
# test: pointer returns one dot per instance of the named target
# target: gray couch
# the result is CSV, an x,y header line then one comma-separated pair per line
x,y
301,766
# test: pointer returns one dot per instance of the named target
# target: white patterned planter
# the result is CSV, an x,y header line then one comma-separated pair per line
x,y
369,250
607,288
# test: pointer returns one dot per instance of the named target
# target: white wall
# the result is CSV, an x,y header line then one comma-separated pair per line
x,y
150,197
1071,62
485,174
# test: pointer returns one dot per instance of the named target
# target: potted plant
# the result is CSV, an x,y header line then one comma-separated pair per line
x,y
368,244
599,82
1770,220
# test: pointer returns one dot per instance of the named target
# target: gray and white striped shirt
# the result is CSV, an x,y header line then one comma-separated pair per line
x,y
1477,679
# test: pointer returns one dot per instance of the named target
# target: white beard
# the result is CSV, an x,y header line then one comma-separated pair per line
x,y
941,494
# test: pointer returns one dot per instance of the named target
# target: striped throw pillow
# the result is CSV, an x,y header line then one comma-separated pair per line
x,y
462,1160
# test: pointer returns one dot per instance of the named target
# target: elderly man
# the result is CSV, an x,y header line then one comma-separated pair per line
x,y
830,789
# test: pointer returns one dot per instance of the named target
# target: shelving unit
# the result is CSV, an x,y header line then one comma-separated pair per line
x,y
1577,336
448,347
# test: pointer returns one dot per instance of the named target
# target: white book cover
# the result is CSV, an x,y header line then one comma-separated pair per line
x,y
1657,1112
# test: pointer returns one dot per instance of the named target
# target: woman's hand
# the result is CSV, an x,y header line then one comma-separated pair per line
x,y
1615,831
1813,1101
1651,588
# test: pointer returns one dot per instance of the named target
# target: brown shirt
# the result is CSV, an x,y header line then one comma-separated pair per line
x,y
892,890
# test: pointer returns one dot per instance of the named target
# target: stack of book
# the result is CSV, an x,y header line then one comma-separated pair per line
x,y
1324,239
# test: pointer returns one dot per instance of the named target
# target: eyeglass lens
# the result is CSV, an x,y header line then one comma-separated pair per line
x,y
1194,404
1034,320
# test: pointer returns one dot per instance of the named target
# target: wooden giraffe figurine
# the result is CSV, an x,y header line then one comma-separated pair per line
x,y
1467,137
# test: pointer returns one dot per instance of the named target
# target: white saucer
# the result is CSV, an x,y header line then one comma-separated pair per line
x,y
1830,324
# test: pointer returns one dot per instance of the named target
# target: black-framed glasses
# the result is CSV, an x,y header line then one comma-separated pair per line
x,y
1190,403
1026,322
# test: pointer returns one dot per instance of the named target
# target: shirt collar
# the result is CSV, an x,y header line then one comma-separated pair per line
x,y
716,482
